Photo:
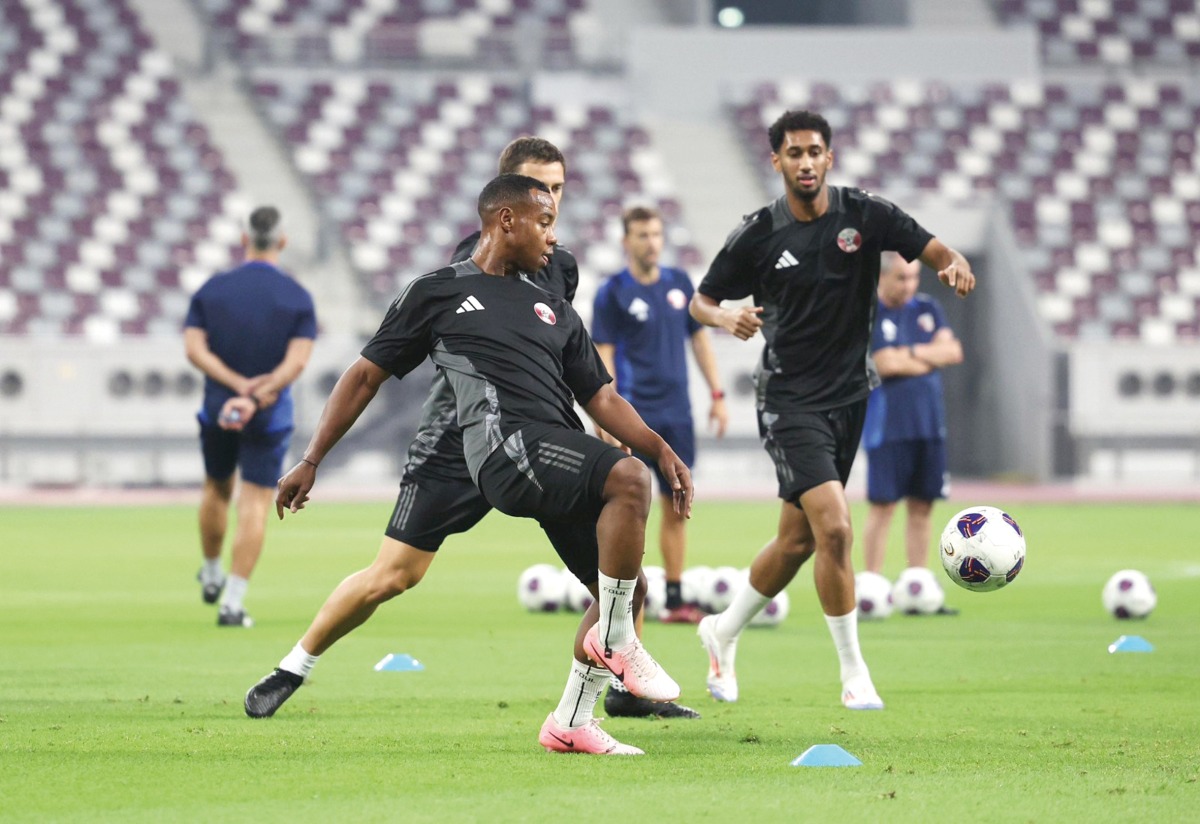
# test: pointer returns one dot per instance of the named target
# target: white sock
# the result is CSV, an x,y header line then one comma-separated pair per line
x,y
235,592
844,629
211,571
616,611
578,704
299,662
747,603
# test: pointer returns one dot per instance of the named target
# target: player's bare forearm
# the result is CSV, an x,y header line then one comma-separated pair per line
x,y
742,322
718,414
354,390
352,393
195,345
618,417
899,362
296,358
939,352
952,267
621,420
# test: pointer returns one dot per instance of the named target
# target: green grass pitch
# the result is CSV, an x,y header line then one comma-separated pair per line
x,y
120,700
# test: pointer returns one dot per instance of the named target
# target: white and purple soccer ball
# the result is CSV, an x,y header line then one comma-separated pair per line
x,y
873,593
917,592
1129,594
541,588
722,586
773,614
982,548
578,598
694,586
656,592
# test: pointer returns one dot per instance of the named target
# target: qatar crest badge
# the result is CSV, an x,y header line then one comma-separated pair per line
x,y
545,313
849,240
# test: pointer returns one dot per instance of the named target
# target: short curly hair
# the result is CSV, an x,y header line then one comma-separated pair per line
x,y
798,120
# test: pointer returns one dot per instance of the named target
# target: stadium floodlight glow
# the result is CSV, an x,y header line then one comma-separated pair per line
x,y
731,17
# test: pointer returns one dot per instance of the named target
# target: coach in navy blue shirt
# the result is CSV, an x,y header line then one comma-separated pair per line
x,y
251,331
640,324
905,429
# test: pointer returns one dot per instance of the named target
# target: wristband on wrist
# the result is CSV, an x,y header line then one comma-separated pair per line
x,y
718,394
310,463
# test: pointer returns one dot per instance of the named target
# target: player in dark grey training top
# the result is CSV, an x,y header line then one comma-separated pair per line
x,y
516,358
811,262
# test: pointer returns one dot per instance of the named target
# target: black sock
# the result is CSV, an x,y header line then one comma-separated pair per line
x,y
674,594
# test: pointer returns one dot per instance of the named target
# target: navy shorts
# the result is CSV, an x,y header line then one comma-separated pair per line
x,y
259,455
557,477
907,469
680,435
812,448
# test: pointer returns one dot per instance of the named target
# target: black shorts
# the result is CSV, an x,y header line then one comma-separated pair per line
x,y
430,509
812,448
557,477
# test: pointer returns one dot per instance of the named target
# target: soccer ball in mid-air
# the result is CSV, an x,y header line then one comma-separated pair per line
x,y
982,548
774,612
541,588
1129,594
917,592
873,593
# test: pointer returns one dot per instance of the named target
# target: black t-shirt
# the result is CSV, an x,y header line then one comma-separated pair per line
x,y
817,283
512,353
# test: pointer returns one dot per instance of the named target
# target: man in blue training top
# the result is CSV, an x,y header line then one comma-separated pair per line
x,y
905,428
640,324
250,331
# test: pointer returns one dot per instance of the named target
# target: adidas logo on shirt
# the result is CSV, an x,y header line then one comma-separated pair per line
x,y
471,304
785,260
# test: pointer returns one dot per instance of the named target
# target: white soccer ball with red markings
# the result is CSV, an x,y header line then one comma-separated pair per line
x,y
541,588
1129,594
873,593
982,548
917,592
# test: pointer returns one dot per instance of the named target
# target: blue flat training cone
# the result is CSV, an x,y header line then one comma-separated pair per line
x,y
1131,643
399,662
825,755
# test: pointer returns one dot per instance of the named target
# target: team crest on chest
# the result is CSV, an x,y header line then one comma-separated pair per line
x,y
925,321
676,298
545,313
849,240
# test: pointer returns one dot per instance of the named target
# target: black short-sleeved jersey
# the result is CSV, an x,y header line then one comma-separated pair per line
x,y
816,282
511,352
437,450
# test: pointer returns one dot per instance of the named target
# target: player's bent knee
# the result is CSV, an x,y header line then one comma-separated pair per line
x,y
629,480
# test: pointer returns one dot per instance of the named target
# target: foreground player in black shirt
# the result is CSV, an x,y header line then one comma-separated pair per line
x,y
811,261
516,357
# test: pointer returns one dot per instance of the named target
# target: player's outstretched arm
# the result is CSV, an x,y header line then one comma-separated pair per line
x,y
618,417
741,321
952,268
354,390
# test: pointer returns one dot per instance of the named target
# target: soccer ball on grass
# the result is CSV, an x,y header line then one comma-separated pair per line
x,y
1129,594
